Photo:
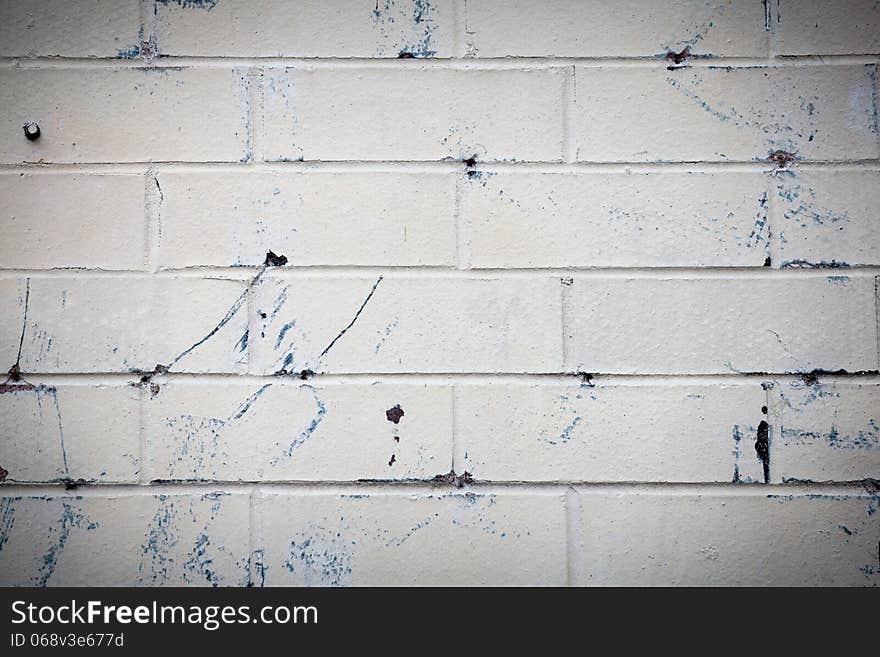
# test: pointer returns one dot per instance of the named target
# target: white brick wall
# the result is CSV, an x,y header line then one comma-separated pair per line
x,y
563,293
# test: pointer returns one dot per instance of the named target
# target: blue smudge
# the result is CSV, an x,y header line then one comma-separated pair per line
x,y
283,332
157,558
69,520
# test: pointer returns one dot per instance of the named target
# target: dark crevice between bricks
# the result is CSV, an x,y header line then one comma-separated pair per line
x,y
3,473
587,379
459,481
762,448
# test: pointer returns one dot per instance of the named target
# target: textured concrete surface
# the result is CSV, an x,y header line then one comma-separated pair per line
x,y
475,292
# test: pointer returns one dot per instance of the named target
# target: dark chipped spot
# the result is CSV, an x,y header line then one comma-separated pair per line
x,y
397,439
15,372
394,414
3,474
263,315
403,54
810,378
20,387
587,379
453,479
764,410
566,280
273,260
470,162
305,375
768,262
679,57
154,389
73,484
391,462
762,448
781,158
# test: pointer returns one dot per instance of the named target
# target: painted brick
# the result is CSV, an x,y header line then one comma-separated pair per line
x,y
687,326
146,114
827,217
59,432
632,28
709,540
719,114
313,218
616,220
413,114
125,540
826,27
409,325
280,431
383,539
676,433
314,28
69,28
72,220
123,324
829,431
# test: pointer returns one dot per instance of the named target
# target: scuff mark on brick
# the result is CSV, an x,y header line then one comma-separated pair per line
x,y
15,370
394,414
762,448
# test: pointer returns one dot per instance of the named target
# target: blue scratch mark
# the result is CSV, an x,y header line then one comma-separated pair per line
x,y
7,518
242,343
239,302
283,332
566,433
245,406
69,520
388,331
307,433
351,323
803,207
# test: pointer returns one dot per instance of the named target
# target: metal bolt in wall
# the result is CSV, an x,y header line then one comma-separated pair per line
x,y
31,130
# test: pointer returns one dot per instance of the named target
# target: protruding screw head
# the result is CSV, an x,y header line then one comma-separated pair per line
x,y
31,130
